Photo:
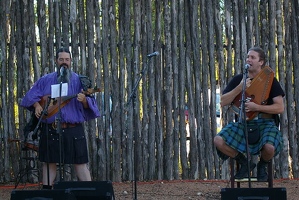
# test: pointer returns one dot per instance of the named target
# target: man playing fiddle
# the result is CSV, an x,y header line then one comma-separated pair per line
x,y
72,115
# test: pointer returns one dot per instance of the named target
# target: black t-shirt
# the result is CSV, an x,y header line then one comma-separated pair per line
x,y
275,91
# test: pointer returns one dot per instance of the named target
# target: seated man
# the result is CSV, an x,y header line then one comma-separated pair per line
x,y
231,142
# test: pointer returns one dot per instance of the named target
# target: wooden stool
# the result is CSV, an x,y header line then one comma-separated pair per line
x,y
253,179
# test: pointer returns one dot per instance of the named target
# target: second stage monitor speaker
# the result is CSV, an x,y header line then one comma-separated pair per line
x,y
253,194
91,190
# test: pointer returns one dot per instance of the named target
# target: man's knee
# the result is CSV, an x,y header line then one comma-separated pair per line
x,y
269,148
218,141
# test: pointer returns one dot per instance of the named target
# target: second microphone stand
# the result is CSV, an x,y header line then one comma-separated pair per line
x,y
132,98
242,120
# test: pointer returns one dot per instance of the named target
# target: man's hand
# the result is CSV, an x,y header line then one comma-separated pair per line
x,y
38,109
251,106
248,83
82,98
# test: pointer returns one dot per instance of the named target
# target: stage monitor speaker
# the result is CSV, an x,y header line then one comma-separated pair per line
x,y
91,190
42,195
253,194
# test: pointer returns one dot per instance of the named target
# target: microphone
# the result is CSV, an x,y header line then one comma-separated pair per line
x,y
247,66
62,70
156,53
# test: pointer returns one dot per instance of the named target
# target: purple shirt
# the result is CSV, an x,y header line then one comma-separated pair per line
x,y
73,112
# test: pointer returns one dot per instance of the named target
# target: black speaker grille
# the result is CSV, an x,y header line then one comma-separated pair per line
x,y
253,194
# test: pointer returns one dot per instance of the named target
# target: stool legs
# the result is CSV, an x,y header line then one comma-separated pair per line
x,y
270,174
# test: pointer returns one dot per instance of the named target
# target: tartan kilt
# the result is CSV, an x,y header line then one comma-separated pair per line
x,y
233,135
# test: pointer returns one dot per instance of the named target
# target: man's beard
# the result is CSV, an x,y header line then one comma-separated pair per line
x,y
66,78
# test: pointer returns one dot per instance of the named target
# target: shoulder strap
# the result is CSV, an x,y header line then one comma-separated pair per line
x,y
85,82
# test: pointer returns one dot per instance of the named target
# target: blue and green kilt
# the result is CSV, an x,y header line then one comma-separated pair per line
x,y
233,135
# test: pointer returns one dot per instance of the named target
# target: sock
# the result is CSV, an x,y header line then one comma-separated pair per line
x,y
240,158
262,161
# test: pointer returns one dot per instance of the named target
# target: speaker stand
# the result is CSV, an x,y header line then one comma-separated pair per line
x,y
30,160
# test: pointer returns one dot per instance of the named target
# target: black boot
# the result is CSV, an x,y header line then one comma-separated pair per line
x,y
47,187
262,174
243,171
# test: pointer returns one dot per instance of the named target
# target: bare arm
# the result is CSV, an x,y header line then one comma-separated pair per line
x,y
276,108
227,98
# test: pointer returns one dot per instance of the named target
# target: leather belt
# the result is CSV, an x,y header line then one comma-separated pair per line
x,y
64,125
265,116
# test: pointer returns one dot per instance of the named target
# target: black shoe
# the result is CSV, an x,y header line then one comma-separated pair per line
x,y
243,171
47,187
262,174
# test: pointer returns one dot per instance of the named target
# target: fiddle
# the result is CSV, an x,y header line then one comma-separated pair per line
x,y
54,105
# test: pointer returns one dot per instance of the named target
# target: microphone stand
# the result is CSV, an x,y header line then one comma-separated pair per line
x,y
132,97
44,113
59,132
242,120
